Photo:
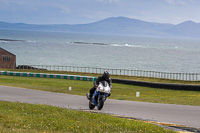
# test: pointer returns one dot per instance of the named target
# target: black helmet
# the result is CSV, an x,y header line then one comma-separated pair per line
x,y
106,75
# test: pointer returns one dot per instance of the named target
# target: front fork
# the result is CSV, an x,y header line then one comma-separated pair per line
x,y
93,98
105,96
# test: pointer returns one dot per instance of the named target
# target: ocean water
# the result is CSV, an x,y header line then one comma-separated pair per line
x,y
117,52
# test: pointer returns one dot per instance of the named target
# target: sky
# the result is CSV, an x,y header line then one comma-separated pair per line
x,y
88,11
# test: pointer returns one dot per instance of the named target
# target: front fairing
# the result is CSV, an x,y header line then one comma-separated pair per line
x,y
103,87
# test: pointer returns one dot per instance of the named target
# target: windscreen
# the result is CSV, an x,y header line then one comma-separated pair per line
x,y
104,83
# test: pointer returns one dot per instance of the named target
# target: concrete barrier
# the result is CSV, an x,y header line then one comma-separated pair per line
x,y
158,85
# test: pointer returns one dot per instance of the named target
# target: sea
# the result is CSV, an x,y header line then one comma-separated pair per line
x,y
162,54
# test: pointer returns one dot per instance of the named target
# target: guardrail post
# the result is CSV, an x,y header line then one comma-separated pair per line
x,y
189,77
196,77
193,76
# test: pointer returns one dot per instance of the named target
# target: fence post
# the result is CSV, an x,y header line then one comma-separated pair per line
x,y
193,76
164,73
186,76
196,77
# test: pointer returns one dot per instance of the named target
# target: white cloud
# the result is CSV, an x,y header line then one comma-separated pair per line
x,y
182,2
109,1
176,2
10,5
14,5
62,7
9,2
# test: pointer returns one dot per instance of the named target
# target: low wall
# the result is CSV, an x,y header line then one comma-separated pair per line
x,y
158,85
45,75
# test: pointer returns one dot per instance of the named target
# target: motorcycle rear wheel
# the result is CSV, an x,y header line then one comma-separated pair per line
x,y
91,106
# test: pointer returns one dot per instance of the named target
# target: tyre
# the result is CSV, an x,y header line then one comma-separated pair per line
x,y
101,103
91,106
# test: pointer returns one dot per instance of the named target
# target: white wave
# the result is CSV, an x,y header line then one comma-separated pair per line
x,y
31,41
116,45
107,44
3,41
127,45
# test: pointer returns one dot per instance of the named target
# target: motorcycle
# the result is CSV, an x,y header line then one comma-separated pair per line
x,y
99,96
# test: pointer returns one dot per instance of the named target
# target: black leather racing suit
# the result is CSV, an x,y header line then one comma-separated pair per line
x,y
99,79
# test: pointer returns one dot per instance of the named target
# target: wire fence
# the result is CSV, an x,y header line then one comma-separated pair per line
x,y
127,72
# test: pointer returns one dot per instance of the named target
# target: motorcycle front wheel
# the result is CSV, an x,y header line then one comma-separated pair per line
x,y
100,103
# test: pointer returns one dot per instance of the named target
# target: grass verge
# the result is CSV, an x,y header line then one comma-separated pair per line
x,y
21,117
119,91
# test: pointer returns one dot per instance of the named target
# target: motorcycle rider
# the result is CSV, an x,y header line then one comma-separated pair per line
x,y
104,77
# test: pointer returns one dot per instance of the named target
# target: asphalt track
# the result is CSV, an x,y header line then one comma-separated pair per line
x,y
168,113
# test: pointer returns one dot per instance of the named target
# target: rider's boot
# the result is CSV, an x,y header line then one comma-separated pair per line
x,y
89,96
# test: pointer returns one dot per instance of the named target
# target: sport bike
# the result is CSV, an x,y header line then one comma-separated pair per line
x,y
99,96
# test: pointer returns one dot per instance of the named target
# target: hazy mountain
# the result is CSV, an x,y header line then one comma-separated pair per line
x,y
188,28
117,26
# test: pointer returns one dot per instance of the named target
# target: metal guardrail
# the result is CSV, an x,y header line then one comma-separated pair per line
x,y
159,85
127,72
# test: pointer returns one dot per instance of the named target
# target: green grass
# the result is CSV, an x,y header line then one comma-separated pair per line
x,y
29,118
119,91
147,79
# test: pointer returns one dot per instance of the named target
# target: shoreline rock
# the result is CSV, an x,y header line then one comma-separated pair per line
x,y
10,40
